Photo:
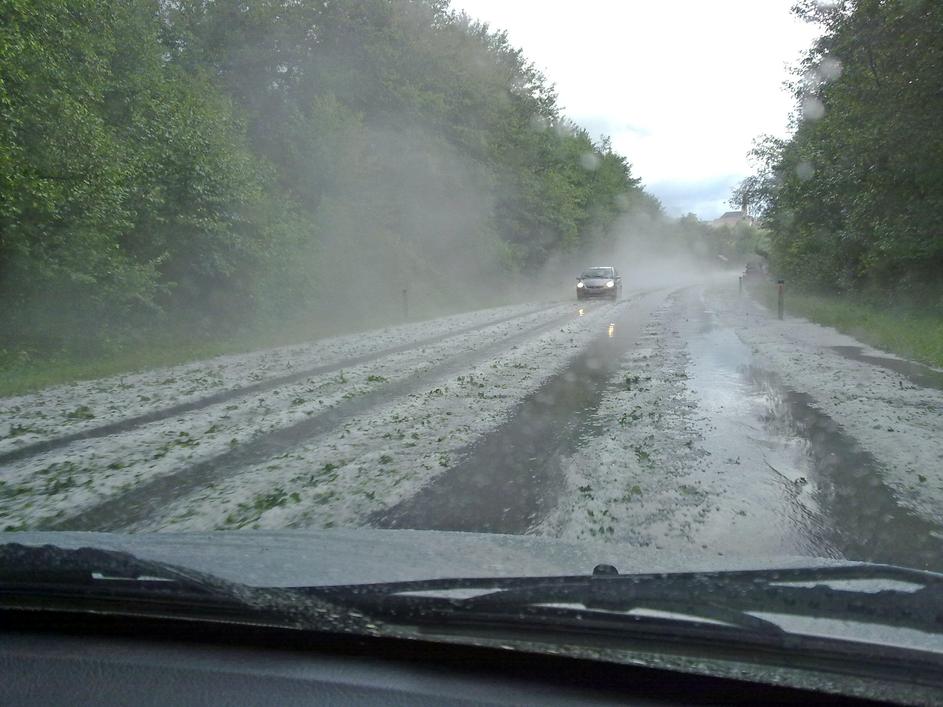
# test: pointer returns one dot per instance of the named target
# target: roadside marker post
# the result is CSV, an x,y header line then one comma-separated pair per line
x,y
780,285
405,306
740,280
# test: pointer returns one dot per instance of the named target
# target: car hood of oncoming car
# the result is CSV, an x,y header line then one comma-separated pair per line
x,y
361,556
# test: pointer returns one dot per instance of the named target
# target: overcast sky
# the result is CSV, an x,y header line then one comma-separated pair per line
x,y
681,86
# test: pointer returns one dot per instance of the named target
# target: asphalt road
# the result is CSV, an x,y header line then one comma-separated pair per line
x,y
510,477
665,419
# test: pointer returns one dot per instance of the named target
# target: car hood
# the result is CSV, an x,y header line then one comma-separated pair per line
x,y
361,556
595,281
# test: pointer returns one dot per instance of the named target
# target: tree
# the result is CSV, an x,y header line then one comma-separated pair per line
x,y
207,165
854,199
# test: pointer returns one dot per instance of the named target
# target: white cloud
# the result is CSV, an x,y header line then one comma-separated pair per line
x,y
682,87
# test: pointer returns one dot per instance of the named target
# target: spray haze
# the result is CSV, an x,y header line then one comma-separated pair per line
x,y
291,169
652,251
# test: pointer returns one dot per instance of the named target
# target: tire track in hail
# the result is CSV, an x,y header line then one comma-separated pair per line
x,y
140,502
130,423
511,477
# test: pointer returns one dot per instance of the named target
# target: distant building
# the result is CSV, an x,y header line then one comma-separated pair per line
x,y
732,218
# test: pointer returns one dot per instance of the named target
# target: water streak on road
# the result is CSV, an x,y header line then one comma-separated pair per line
x,y
815,490
867,522
130,423
916,373
763,504
510,478
148,499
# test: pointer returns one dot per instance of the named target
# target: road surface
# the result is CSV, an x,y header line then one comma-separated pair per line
x,y
686,419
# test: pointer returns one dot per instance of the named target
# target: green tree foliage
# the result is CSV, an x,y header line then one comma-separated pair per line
x,y
854,199
126,186
217,162
735,244
64,204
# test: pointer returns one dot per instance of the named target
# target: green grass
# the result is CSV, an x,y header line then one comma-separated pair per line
x,y
908,331
23,376
22,373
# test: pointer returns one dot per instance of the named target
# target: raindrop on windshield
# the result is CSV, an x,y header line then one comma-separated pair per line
x,y
829,69
589,161
812,108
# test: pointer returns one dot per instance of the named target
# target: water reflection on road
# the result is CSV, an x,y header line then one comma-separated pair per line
x,y
792,480
509,479
767,498
774,475
916,373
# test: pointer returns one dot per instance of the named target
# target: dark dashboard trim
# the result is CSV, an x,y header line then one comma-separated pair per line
x,y
587,678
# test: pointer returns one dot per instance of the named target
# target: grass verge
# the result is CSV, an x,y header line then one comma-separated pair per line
x,y
907,331
23,373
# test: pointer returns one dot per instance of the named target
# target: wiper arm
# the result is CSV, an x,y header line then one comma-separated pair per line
x,y
85,580
585,603
39,576
727,598
828,593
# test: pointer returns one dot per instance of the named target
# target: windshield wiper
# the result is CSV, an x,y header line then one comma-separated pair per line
x,y
91,580
740,609
733,607
724,600
49,576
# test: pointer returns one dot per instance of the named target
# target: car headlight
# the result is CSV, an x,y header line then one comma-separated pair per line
x,y
610,284
579,284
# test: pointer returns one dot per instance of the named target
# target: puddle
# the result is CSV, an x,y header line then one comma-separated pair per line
x,y
866,521
787,479
808,486
766,502
916,373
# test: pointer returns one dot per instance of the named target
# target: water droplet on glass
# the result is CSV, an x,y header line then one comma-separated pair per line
x,y
589,161
805,170
539,122
812,108
829,69
562,129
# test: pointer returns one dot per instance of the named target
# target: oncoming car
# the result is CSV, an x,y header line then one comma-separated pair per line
x,y
599,282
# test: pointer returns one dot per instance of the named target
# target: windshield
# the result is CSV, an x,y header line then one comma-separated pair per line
x,y
309,266
597,273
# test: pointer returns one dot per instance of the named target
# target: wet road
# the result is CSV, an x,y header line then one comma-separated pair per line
x,y
145,500
510,478
516,421
808,486
811,487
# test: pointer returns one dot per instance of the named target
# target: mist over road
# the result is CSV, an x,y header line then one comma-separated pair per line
x,y
684,417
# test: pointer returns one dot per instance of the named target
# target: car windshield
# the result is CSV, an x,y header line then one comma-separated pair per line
x,y
305,270
597,273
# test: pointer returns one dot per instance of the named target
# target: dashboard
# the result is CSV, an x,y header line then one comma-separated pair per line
x,y
149,663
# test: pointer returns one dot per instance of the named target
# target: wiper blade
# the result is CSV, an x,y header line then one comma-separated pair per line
x,y
36,576
50,578
720,601
720,615
824,593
